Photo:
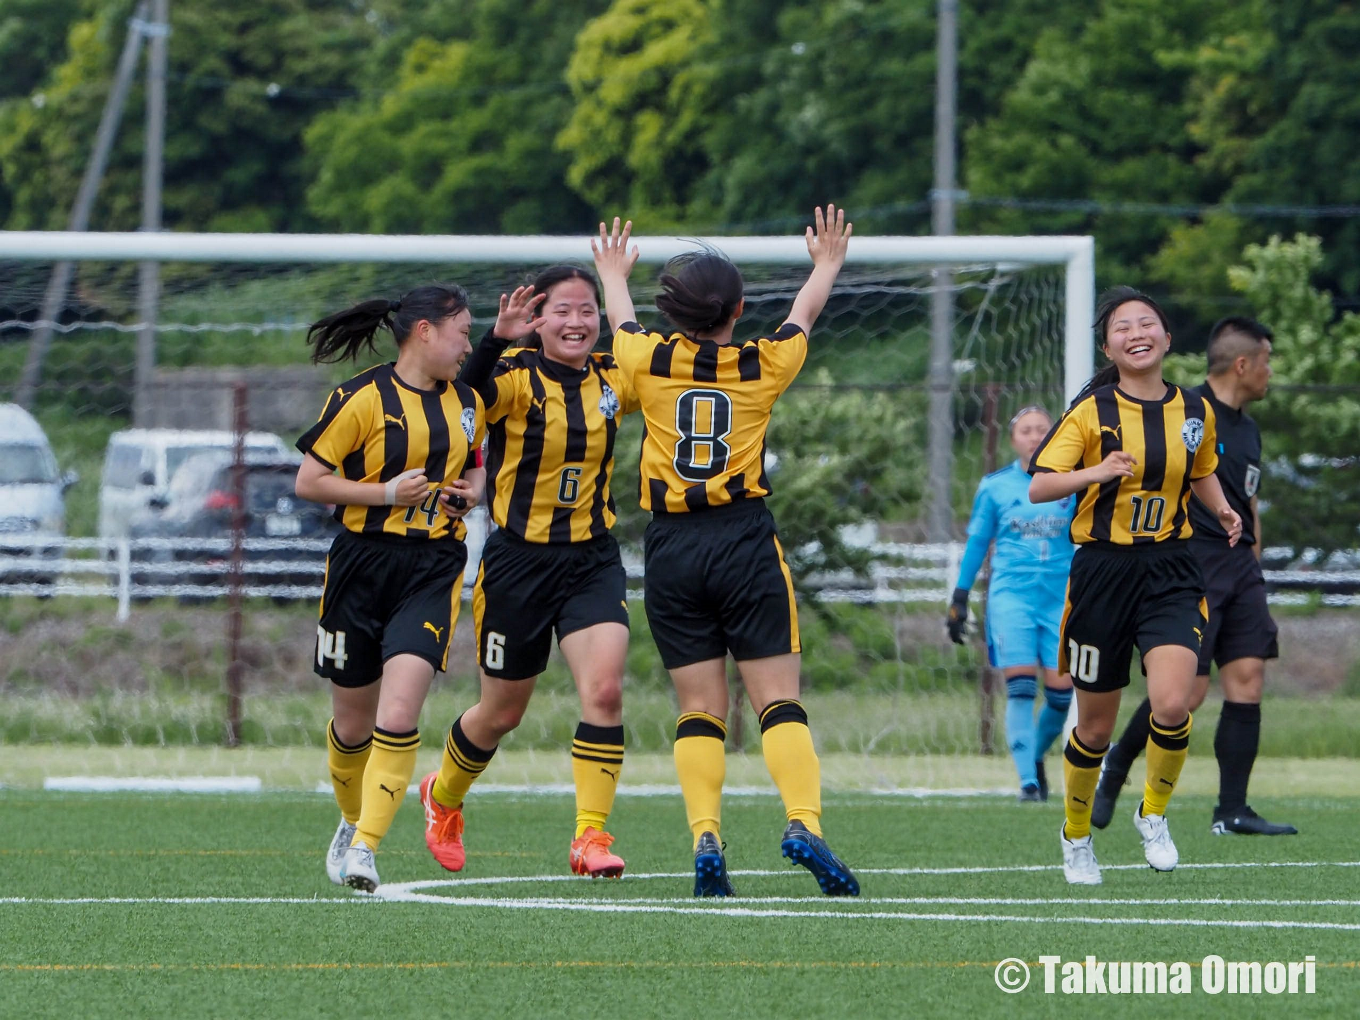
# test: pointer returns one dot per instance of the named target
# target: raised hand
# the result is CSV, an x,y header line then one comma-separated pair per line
x,y
828,241
517,315
612,258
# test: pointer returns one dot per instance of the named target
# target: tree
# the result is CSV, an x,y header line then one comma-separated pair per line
x,y
645,92
244,79
460,138
1100,115
1310,421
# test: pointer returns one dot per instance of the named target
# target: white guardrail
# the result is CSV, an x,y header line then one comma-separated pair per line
x,y
131,570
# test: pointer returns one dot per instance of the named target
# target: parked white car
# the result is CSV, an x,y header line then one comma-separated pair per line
x,y
139,464
32,503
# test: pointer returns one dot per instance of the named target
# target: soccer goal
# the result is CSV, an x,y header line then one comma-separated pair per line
x,y
124,615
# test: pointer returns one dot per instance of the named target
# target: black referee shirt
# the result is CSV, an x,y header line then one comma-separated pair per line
x,y
1239,470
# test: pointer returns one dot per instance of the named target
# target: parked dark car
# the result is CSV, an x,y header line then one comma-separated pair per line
x,y
197,514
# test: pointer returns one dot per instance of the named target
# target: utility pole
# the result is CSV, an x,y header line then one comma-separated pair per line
x,y
149,282
940,425
60,281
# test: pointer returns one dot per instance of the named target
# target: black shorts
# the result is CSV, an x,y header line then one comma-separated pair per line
x,y
386,595
526,590
717,582
1240,626
1121,596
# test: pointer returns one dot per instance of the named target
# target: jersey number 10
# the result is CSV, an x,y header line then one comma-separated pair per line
x,y
703,418
1147,514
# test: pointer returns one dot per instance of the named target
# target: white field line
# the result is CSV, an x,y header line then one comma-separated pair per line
x,y
254,784
154,784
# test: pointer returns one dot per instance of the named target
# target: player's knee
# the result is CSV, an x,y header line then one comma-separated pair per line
x,y
1197,698
603,699
352,731
503,719
1095,733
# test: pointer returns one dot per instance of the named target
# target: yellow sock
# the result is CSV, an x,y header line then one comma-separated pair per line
x,y
596,761
1167,748
463,762
792,761
701,764
346,765
391,764
1081,772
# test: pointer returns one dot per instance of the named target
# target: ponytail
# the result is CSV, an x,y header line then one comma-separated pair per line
x,y
700,291
343,335
1107,375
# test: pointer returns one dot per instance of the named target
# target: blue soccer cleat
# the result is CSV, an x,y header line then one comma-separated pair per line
x,y
802,847
710,868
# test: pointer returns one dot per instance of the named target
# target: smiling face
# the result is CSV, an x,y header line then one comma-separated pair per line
x,y
444,345
1135,339
1028,432
573,322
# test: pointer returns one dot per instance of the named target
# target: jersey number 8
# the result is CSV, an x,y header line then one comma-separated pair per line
x,y
703,418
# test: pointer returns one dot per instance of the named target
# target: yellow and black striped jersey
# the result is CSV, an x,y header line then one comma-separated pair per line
x,y
374,427
707,408
1172,440
550,453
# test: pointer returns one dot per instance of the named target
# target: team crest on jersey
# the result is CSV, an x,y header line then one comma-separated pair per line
x,y
469,421
1253,480
609,402
1192,433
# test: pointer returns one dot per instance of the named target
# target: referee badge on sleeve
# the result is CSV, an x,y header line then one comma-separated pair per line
x,y
1192,433
469,422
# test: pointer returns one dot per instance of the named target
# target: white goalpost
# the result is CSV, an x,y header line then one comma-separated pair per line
x,y
227,351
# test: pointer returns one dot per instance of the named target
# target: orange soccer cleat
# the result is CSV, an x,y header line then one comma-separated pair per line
x,y
590,855
443,828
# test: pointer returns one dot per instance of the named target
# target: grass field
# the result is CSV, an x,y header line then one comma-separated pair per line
x,y
180,905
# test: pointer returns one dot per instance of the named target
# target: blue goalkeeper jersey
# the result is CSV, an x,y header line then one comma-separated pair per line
x,y
1033,544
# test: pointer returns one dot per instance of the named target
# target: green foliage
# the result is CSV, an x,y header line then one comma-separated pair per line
x,y
233,155
460,138
845,456
643,98
1313,409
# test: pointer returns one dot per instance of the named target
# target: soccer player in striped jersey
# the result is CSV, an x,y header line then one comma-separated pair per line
x,y
1134,447
396,451
553,409
715,572
1024,599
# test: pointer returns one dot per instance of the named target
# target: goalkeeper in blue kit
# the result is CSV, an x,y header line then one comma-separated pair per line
x,y
1030,563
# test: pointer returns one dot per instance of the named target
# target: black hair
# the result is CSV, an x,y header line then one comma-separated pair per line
x,y
1106,306
344,334
700,291
549,278
1222,352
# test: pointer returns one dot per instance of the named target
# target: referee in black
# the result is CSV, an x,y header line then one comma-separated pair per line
x,y
1240,635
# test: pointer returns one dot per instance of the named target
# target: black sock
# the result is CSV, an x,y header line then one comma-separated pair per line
x,y
1132,741
1235,744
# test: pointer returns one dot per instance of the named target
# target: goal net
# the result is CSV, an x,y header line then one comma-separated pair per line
x,y
156,610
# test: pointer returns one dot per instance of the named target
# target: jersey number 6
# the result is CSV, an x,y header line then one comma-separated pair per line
x,y
703,418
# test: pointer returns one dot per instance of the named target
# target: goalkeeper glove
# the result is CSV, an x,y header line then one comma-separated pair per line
x,y
957,619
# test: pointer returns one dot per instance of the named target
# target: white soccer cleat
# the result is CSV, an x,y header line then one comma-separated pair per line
x,y
335,856
1079,859
357,869
1157,846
